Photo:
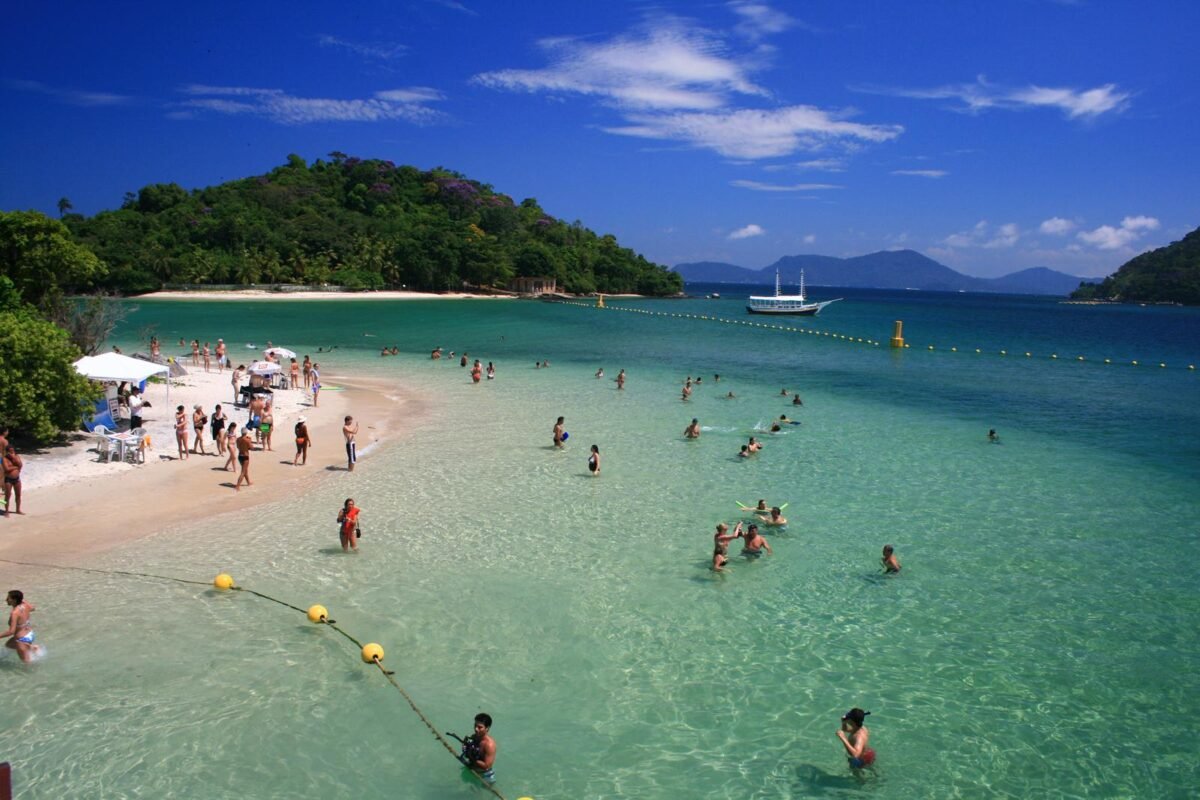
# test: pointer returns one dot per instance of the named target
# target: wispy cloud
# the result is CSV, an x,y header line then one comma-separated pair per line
x,y
774,187
759,19
922,173
379,51
747,231
404,104
73,97
814,165
810,238
1056,226
671,79
754,134
1109,237
982,95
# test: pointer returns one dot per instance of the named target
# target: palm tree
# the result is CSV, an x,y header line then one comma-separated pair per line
x,y
64,205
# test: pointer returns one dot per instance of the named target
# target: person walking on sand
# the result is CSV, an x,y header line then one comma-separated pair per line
x,y
181,429
199,420
303,442
307,372
891,564
692,431
220,356
12,465
244,446
231,445
20,633
594,461
266,426
195,352
621,380
236,380
854,736
207,356
315,374
294,374
558,433
350,430
217,421
348,525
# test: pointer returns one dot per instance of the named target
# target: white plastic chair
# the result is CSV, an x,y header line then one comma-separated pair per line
x,y
104,445
135,448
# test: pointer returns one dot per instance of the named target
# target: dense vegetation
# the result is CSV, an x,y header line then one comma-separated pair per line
x,y
1169,274
362,224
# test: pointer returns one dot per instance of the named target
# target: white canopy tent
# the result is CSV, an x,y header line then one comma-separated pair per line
x,y
116,368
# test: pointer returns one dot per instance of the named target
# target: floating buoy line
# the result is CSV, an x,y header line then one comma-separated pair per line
x,y
867,341
371,653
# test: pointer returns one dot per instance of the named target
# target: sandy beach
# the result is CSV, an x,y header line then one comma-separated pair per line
x,y
265,294
77,503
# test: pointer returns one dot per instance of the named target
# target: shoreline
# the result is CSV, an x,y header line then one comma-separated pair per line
x,y
266,294
77,506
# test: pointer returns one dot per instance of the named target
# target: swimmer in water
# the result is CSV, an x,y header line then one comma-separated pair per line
x,y
776,427
891,564
753,543
600,373
783,392
775,518
692,431
854,736
783,420
754,445
745,452
796,401
20,634
721,540
761,507
730,396
993,437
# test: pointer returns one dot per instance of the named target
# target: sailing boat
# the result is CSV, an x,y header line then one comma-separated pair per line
x,y
790,304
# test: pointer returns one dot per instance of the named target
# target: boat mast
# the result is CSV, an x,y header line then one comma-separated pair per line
x,y
802,284
777,282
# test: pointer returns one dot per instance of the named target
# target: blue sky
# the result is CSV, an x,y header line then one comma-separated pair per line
x,y
992,136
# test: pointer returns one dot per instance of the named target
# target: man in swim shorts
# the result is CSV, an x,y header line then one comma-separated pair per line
x,y
692,431
753,543
479,749
19,634
350,430
244,445
854,736
891,564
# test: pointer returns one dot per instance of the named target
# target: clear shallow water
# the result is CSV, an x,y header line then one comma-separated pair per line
x,y
1041,641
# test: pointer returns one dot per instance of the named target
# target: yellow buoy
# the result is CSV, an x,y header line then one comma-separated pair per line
x,y
223,581
372,653
318,613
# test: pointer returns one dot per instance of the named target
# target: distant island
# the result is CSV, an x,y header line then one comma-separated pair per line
x,y
357,223
887,269
1169,274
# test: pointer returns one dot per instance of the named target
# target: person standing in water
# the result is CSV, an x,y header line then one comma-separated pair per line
x,y
891,564
854,736
621,379
348,525
721,540
594,461
753,543
479,749
20,634
775,519
558,433
993,437
350,430
692,431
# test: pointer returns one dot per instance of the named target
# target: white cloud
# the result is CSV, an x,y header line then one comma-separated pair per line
x,y
673,80
810,238
277,105
1056,226
72,97
774,187
922,173
747,231
380,51
751,133
759,19
815,165
1108,237
982,95
983,235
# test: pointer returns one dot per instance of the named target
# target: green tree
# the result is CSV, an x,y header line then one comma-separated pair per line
x,y
41,394
38,255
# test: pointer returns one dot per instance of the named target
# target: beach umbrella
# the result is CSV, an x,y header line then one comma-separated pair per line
x,y
264,368
282,352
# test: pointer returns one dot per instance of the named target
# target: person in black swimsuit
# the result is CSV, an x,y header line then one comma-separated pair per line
x,y
594,460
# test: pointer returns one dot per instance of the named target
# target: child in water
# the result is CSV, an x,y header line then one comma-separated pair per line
x,y
891,564
854,736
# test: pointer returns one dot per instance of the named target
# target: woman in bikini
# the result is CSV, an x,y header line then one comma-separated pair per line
x,y
230,445
181,429
20,634
721,540
303,442
199,420
207,355
594,461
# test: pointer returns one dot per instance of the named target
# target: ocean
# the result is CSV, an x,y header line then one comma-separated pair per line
x,y
1039,642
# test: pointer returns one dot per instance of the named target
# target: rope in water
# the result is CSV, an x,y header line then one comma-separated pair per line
x,y
388,674
859,339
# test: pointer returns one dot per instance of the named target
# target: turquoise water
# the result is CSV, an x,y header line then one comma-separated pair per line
x,y
1041,640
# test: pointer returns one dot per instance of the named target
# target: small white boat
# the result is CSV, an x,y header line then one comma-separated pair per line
x,y
790,304
714,296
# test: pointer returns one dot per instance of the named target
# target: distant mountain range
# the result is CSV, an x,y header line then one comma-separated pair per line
x,y
887,269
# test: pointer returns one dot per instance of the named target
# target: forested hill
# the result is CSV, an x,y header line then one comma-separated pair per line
x,y
364,224
1169,274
